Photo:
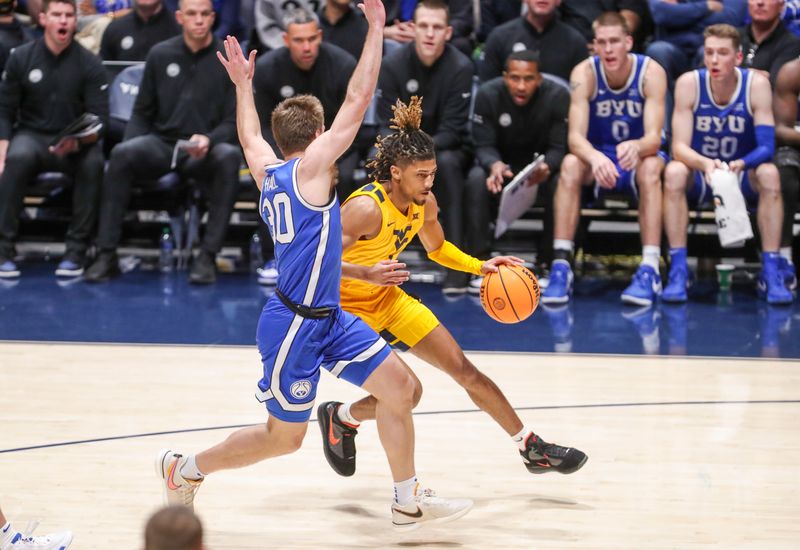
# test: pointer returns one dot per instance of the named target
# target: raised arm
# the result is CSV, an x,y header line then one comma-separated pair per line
x,y
323,151
257,151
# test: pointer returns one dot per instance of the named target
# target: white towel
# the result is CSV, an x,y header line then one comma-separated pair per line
x,y
730,210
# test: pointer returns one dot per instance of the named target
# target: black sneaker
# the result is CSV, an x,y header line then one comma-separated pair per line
x,y
338,439
105,267
204,270
540,457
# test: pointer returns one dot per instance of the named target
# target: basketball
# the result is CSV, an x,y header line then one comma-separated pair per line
x,y
510,295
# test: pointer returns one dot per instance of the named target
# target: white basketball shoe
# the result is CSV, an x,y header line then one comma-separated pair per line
x,y
427,507
11,539
177,489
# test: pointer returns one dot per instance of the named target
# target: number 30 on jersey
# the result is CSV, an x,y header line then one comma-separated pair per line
x,y
279,217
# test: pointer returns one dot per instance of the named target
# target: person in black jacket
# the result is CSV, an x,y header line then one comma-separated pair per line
x,y
400,23
130,37
185,94
766,42
516,116
48,84
560,46
431,68
343,26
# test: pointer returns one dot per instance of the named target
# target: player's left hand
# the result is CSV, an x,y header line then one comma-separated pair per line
x,y
490,266
201,149
628,154
388,273
736,166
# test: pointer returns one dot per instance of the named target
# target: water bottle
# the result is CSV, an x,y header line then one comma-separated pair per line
x,y
256,257
166,261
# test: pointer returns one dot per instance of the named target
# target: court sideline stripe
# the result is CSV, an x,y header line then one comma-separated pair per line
x,y
426,413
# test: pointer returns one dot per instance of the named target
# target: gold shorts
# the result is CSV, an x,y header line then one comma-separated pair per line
x,y
400,319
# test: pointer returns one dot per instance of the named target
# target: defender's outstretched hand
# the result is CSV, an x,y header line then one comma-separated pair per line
x,y
374,12
240,70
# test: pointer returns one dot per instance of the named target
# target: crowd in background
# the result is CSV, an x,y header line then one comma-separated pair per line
x,y
183,119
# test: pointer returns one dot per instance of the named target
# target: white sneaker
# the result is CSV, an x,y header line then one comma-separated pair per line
x,y
475,286
427,507
11,539
177,490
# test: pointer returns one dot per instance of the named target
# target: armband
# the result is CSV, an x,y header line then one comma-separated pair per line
x,y
765,147
450,256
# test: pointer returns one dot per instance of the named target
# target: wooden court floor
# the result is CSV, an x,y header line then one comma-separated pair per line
x,y
683,452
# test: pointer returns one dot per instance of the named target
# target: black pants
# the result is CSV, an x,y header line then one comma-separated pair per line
x,y
148,157
480,208
449,191
787,160
28,156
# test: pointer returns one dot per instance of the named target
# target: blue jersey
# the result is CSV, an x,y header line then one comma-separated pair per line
x,y
724,132
308,239
616,115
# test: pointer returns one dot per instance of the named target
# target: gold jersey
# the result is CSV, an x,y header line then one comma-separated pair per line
x,y
397,230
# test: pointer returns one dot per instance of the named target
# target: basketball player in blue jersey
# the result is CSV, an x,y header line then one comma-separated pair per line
x,y
616,117
723,120
302,327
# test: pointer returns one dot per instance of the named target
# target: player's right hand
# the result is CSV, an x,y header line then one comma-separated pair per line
x,y
712,165
604,171
374,13
388,273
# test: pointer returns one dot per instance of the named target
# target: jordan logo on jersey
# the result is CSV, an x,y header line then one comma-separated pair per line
x,y
614,107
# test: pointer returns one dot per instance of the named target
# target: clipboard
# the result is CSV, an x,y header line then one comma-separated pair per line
x,y
85,125
516,197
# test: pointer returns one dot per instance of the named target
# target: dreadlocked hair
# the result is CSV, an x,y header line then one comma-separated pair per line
x,y
408,143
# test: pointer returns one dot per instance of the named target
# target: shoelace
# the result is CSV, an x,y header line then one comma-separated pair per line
x,y
27,533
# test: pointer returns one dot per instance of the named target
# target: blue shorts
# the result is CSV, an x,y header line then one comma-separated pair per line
x,y
294,348
699,192
626,182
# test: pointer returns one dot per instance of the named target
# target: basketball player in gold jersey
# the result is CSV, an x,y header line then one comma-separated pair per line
x,y
378,221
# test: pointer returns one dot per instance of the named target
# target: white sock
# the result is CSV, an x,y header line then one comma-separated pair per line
x,y
563,244
786,252
650,255
6,532
404,490
344,415
522,437
189,470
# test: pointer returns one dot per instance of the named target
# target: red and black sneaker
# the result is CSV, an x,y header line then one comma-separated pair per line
x,y
541,457
338,439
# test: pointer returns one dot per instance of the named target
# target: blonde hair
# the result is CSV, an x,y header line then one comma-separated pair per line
x,y
296,121
723,30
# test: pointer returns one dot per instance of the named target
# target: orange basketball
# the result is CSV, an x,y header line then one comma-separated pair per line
x,y
510,295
